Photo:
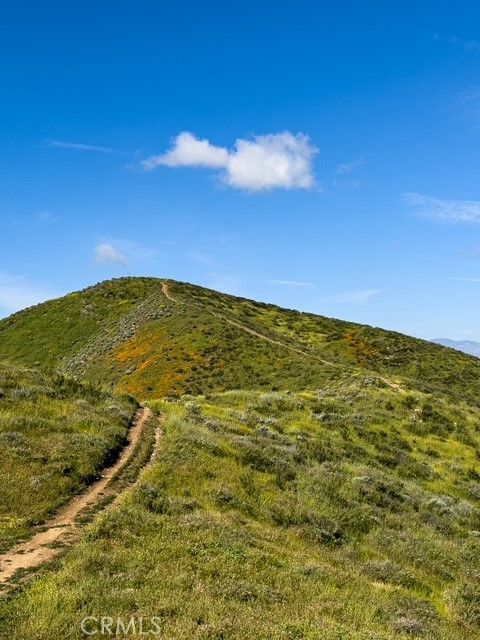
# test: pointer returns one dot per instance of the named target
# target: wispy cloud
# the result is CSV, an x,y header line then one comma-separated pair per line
x,y
134,250
46,217
292,283
344,174
466,44
76,146
225,283
32,221
444,210
355,183
468,106
204,258
273,161
105,253
123,252
460,279
17,292
349,167
359,297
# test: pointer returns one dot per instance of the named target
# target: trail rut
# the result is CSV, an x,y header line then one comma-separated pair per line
x,y
63,528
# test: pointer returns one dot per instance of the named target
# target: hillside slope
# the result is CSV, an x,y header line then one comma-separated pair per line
x,y
155,338
348,513
316,479
55,437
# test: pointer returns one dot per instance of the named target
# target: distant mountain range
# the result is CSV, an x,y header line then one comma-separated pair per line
x,y
467,346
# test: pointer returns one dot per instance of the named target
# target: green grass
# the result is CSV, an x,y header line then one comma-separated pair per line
x,y
348,512
55,436
318,501
125,333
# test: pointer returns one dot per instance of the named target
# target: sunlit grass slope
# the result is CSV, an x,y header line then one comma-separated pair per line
x,y
350,512
55,436
128,334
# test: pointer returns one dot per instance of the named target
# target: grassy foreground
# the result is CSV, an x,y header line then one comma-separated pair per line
x,y
349,513
55,436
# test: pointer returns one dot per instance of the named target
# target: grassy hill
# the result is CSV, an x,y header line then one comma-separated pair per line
x,y
316,478
55,436
127,333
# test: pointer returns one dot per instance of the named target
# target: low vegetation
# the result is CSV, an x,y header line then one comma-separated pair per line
x,y
55,437
127,334
316,479
350,512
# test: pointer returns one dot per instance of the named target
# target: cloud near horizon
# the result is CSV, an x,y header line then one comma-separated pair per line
x,y
106,253
273,161
359,297
292,283
444,210
460,279
17,292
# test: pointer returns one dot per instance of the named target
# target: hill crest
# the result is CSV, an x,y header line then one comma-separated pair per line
x,y
157,337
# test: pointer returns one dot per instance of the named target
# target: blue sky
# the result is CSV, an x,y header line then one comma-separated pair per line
x,y
320,155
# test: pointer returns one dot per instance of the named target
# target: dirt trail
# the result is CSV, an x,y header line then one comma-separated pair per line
x,y
62,528
166,292
252,332
307,354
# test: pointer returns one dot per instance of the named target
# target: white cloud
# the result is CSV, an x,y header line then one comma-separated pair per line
x,y
105,253
189,151
359,297
292,283
76,146
16,292
446,210
273,161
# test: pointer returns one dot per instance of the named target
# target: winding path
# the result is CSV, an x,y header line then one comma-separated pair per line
x,y
280,343
166,292
63,527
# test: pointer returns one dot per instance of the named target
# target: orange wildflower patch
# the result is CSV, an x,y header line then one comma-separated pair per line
x,y
361,349
159,367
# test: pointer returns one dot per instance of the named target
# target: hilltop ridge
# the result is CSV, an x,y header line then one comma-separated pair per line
x,y
155,337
